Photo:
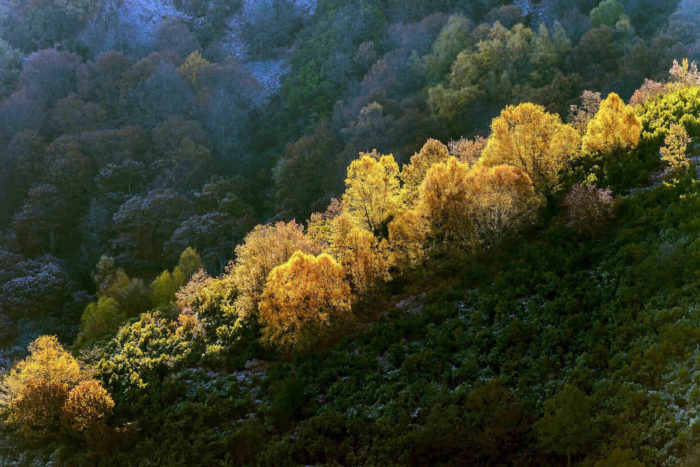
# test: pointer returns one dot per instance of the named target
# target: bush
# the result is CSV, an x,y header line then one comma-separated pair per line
x,y
86,405
588,209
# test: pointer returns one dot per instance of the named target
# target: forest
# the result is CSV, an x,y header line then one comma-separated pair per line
x,y
359,232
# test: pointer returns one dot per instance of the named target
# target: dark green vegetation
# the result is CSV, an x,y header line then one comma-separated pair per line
x,y
466,370
557,346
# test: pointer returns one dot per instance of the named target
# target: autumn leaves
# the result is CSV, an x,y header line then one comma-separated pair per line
x,y
390,219
49,391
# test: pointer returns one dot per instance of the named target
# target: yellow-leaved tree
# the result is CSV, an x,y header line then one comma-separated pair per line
x,y
478,205
372,193
48,387
364,257
503,199
86,405
443,201
408,232
191,66
305,301
264,248
614,128
47,360
528,137
36,412
412,175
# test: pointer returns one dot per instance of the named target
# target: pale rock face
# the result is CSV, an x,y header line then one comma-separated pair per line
x,y
268,72
128,23
146,13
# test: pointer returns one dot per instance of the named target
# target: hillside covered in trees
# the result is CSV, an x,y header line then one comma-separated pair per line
x,y
371,232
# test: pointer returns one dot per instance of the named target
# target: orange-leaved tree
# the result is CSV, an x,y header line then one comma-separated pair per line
x,y
477,205
503,200
37,391
443,201
304,302
528,137
36,411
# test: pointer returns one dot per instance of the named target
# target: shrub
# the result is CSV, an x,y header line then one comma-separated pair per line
x,y
588,208
86,405
673,151
36,413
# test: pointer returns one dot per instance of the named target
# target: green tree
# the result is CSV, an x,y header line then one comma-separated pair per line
x,y
99,319
163,289
189,263
567,427
607,12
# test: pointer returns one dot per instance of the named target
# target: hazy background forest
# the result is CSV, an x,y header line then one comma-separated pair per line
x,y
150,149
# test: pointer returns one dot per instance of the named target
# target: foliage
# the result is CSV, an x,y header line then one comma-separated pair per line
x,y
49,389
658,114
372,193
468,150
305,300
579,116
408,232
36,412
99,319
607,12
587,208
191,66
648,90
484,72
263,249
443,201
503,200
412,175
140,137
141,354
364,258
567,427
163,289
615,128
673,151
47,361
87,404
533,140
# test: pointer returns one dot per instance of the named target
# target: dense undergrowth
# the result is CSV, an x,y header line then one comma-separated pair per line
x,y
460,362
616,316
